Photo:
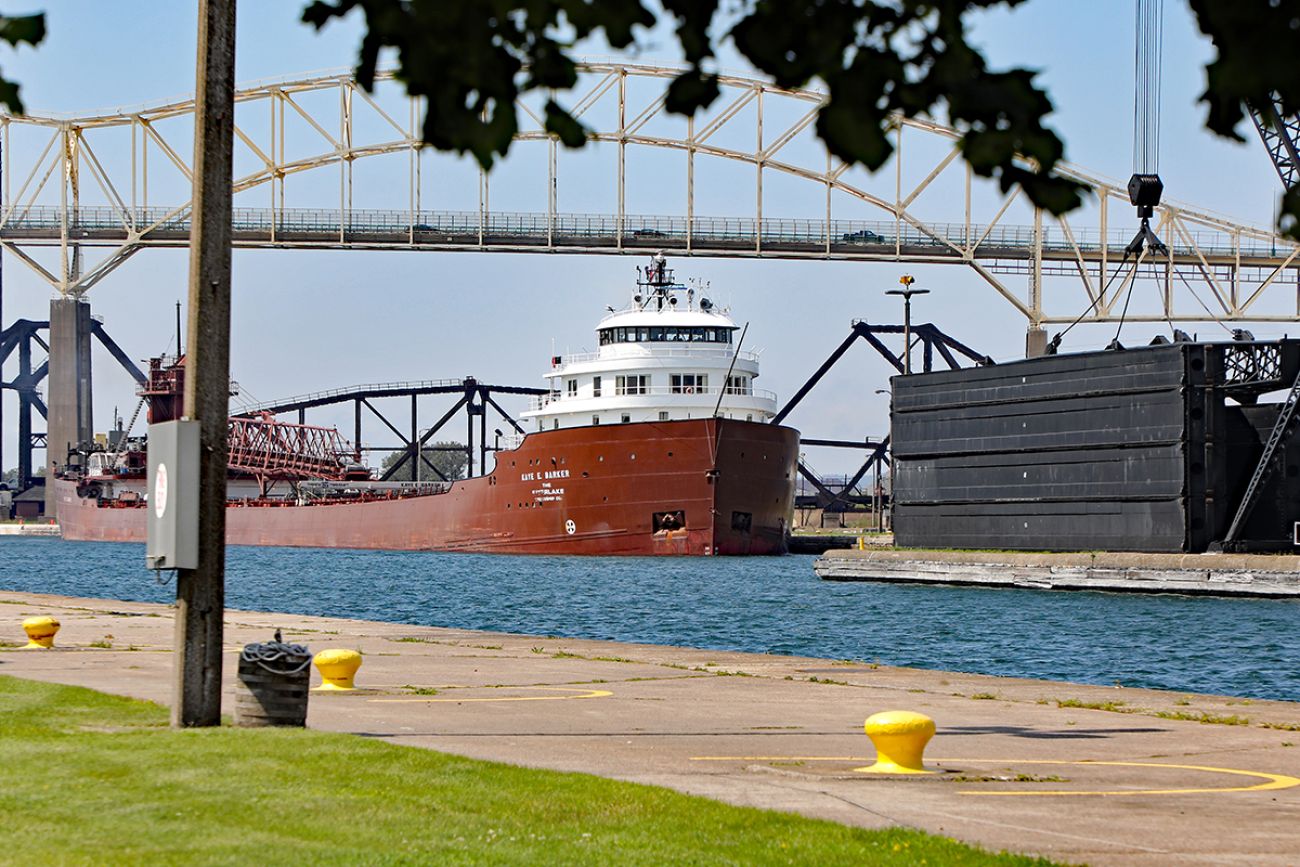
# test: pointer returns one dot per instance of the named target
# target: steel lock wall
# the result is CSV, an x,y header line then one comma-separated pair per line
x,y
1068,452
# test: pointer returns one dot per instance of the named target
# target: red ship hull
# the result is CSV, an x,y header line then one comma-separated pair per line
x,y
692,487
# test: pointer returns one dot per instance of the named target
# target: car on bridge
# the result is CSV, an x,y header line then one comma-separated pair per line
x,y
864,236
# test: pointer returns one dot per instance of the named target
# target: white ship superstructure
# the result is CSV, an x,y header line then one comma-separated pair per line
x,y
672,354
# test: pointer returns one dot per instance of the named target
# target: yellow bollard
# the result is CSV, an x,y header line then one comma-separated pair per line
x,y
40,632
899,737
337,669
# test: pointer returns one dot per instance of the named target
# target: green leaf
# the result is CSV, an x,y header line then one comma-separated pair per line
x,y
9,96
693,20
691,91
1289,215
17,29
564,126
854,136
1256,46
1052,193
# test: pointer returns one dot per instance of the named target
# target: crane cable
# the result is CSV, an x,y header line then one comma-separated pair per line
x,y
1147,62
1148,49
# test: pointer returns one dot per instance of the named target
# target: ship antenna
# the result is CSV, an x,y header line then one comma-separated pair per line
x,y
717,406
178,329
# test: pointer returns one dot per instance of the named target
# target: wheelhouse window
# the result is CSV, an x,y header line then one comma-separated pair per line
x,y
739,385
688,383
658,334
635,384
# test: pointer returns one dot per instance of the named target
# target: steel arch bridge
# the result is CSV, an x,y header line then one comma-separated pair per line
x,y
117,183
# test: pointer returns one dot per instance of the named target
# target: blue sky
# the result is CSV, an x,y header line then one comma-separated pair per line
x,y
311,320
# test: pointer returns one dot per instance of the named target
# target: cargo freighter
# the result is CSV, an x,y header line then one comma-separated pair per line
x,y
658,443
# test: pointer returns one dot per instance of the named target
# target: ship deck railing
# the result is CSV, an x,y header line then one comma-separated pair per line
x,y
542,401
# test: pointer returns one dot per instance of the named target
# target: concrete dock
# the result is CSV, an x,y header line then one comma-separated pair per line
x,y
1090,774
15,529
1274,576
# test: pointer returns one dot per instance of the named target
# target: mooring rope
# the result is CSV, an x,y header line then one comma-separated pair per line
x,y
278,657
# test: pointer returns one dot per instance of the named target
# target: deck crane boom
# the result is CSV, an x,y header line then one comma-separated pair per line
x,y
1280,133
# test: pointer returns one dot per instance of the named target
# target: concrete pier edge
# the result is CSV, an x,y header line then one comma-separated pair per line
x,y
1243,575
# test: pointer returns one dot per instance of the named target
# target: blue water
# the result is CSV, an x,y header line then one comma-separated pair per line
x,y
773,605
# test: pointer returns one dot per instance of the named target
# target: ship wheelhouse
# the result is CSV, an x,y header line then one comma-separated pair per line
x,y
670,355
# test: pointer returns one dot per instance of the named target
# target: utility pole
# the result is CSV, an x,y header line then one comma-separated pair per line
x,y
907,292
200,593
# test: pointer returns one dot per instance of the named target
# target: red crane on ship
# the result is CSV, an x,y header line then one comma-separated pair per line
x,y
261,446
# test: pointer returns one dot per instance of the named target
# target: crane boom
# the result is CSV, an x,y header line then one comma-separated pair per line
x,y
1279,134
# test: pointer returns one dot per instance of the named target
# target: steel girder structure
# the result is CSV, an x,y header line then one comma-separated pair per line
x,y
22,336
64,192
474,398
933,342
1280,134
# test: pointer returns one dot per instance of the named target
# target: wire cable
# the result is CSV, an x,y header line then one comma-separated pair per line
x,y
1148,60
1097,300
1204,306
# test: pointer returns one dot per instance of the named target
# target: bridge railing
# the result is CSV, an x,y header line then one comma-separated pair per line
x,y
532,229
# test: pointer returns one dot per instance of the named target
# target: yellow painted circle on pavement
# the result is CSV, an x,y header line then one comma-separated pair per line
x,y
1269,782
576,694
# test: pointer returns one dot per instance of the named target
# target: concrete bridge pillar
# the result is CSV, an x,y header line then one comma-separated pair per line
x,y
69,398
1035,342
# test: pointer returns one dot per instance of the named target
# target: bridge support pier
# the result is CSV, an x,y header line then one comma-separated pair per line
x,y
1035,341
69,420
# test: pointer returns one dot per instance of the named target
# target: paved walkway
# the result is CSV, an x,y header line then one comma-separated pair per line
x,y
1020,771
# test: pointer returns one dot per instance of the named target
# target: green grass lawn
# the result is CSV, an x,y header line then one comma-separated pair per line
x,y
88,778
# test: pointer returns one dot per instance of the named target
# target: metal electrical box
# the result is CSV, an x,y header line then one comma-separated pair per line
x,y
173,496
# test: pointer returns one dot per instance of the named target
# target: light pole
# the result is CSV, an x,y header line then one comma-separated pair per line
x,y
907,292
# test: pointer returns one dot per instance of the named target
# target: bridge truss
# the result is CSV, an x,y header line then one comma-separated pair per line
x,y
116,183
